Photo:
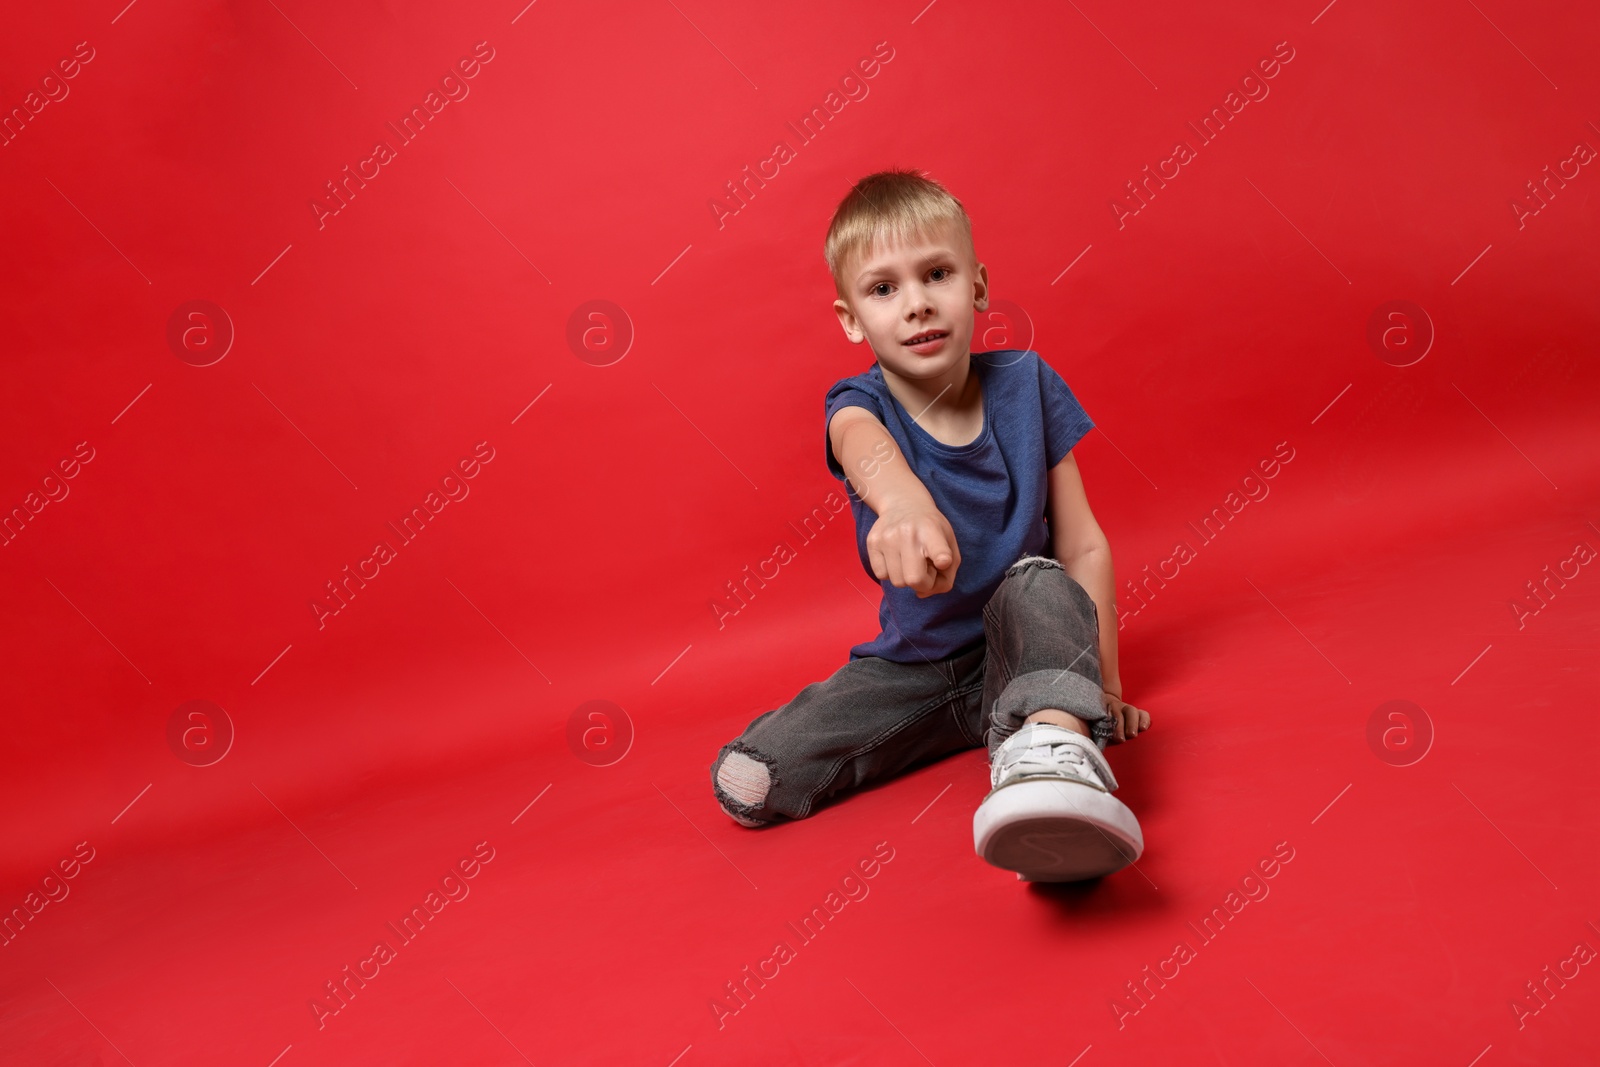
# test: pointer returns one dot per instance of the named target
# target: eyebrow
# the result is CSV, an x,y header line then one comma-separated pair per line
x,y
933,256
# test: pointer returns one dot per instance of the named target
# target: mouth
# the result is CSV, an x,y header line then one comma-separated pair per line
x,y
925,337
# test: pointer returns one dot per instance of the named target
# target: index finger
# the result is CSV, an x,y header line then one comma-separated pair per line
x,y
939,550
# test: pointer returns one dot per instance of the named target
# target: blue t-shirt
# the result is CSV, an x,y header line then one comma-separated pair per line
x,y
992,491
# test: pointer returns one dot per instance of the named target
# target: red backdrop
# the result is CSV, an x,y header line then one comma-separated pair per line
x,y
280,274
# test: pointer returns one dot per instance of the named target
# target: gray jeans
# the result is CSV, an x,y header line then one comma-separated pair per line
x,y
873,719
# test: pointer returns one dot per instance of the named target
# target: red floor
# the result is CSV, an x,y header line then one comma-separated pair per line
x,y
1386,884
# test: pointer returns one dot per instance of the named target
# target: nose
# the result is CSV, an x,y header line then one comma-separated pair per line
x,y
918,301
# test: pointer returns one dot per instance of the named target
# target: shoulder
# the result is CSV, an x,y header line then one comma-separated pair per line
x,y
1009,362
869,378
1012,370
866,389
1022,377
1022,369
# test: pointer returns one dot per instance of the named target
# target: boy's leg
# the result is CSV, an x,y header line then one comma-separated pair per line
x,y
1049,815
870,720
1043,633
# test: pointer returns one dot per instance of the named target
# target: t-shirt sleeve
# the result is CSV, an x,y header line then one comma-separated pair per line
x,y
844,394
1065,421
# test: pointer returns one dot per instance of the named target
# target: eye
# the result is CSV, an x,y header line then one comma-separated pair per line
x,y
945,271
881,285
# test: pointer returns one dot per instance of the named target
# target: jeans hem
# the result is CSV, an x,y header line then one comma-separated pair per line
x,y
1034,691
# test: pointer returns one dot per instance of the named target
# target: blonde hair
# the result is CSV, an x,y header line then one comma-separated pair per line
x,y
901,204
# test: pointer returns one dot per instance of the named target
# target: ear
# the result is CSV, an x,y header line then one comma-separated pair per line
x,y
849,322
980,288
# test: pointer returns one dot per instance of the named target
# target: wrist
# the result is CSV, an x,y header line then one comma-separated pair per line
x,y
900,498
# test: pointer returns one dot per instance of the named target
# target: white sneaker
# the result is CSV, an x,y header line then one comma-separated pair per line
x,y
1050,815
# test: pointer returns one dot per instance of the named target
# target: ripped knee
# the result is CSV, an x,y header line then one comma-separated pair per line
x,y
744,780
1044,561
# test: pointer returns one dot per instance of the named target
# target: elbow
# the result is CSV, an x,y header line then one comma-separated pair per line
x,y
1085,549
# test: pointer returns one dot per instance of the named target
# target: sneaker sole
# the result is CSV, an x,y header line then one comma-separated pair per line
x,y
1051,831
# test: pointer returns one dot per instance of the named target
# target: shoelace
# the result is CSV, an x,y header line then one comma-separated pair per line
x,y
1048,755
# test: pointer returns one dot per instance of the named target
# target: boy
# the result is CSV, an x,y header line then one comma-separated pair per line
x,y
971,514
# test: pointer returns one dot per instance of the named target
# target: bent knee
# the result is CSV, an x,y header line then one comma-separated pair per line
x,y
743,782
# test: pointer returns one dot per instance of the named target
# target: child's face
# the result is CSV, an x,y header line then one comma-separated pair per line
x,y
899,291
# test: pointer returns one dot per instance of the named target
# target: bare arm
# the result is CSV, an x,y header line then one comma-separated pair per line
x,y
911,544
1085,554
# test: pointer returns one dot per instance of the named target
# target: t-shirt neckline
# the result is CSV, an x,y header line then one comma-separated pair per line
x,y
977,367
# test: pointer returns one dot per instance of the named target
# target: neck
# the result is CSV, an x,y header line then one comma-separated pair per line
x,y
950,395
